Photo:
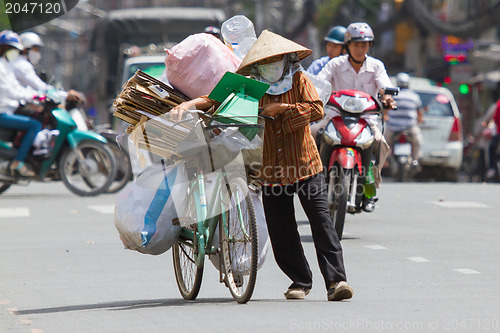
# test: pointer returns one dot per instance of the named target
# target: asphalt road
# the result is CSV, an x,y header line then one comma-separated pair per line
x,y
425,261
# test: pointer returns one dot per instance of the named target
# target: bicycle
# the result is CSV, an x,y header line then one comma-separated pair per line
x,y
229,209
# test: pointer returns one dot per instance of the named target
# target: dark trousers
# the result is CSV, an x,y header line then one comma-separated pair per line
x,y
285,239
492,151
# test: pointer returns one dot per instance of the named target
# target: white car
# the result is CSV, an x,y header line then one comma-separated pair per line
x,y
442,133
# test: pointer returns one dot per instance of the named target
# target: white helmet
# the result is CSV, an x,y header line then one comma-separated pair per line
x,y
403,80
359,32
30,39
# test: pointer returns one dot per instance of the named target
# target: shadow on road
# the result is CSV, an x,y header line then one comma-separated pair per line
x,y
124,305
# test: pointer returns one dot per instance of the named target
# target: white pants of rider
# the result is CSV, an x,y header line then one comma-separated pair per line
x,y
416,140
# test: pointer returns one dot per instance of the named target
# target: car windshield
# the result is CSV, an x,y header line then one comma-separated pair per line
x,y
153,69
438,104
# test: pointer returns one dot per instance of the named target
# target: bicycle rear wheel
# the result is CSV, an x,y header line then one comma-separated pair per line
x,y
187,274
239,244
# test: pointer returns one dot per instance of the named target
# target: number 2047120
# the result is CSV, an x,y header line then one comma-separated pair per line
x,y
33,8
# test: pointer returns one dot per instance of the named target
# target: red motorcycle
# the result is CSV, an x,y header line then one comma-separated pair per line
x,y
346,148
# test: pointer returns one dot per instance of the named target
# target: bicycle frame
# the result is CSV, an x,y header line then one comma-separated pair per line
x,y
205,227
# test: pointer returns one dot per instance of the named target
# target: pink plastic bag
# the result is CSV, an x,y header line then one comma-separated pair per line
x,y
195,65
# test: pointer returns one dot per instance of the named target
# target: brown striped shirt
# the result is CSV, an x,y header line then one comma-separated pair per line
x,y
290,153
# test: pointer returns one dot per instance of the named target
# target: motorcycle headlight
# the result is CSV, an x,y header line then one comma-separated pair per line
x,y
355,104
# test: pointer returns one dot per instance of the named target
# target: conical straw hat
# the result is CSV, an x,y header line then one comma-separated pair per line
x,y
267,45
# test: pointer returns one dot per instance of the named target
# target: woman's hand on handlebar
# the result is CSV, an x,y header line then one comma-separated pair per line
x,y
198,103
177,112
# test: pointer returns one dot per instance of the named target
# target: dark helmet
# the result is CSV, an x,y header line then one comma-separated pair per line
x,y
212,31
336,35
359,32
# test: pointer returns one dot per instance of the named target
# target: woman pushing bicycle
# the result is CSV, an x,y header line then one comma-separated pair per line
x,y
291,164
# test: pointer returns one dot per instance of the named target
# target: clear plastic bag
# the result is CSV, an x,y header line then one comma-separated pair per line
x,y
145,209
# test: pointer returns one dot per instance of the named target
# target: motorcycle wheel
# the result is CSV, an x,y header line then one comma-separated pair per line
x,y
4,187
94,175
402,172
123,169
338,193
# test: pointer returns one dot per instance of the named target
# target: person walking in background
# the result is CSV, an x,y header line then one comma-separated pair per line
x,y
357,70
334,48
406,117
291,164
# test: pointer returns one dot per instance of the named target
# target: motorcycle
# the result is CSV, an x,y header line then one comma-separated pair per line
x,y
123,164
343,142
402,164
81,159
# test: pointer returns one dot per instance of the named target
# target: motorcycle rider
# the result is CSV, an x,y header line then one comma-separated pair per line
x,y
357,70
11,92
23,68
407,117
334,48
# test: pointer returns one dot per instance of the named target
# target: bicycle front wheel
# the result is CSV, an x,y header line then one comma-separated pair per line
x,y
239,245
187,274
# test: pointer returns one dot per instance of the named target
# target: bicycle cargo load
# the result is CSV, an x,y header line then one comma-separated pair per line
x,y
195,65
145,209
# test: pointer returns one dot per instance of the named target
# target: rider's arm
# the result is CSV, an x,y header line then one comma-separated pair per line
x,y
382,81
10,89
26,75
326,73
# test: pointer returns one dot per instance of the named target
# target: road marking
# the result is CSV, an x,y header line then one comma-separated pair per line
x,y
4,301
376,247
104,209
466,271
14,212
417,259
36,330
459,204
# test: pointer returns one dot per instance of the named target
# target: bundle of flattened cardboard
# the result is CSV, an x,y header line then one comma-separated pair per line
x,y
144,98
144,93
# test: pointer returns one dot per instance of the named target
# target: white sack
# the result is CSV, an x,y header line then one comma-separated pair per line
x,y
144,209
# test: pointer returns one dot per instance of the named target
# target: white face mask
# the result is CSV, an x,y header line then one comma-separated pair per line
x,y
12,54
273,71
34,56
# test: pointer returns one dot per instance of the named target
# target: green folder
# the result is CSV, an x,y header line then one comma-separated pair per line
x,y
234,83
240,97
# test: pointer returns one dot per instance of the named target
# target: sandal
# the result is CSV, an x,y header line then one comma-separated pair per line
x,y
21,169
